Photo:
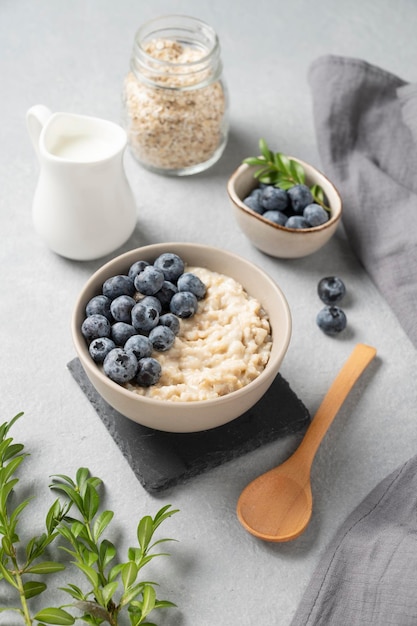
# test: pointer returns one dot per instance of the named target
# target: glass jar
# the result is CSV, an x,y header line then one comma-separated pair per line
x,y
175,102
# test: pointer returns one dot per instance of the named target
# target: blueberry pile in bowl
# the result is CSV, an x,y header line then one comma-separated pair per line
x,y
292,208
195,415
288,215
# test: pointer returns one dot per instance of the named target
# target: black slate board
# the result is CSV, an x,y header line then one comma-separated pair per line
x,y
161,460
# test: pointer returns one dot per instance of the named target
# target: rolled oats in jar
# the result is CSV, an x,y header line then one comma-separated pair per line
x,y
174,97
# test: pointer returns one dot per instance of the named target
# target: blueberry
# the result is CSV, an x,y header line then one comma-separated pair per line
x,y
171,265
190,282
170,320
165,294
152,301
100,305
300,196
315,215
253,201
162,338
331,320
120,366
95,326
144,317
184,304
100,347
119,285
277,217
296,221
121,307
140,345
331,289
149,281
121,331
136,268
274,199
149,372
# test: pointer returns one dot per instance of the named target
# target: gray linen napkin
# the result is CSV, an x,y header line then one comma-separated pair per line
x,y
366,129
369,574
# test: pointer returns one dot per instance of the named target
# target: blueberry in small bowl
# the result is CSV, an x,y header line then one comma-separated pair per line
x,y
286,207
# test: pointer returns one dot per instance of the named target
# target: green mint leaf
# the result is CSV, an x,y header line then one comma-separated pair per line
x,y
254,161
265,151
283,163
297,172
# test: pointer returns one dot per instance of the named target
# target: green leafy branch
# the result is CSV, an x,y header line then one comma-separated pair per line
x,y
94,556
275,168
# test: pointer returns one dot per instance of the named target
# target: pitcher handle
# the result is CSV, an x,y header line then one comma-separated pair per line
x,y
36,118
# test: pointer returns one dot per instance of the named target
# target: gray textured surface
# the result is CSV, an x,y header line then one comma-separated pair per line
x,y
73,56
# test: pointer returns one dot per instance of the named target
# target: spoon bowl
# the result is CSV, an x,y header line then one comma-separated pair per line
x,y
277,506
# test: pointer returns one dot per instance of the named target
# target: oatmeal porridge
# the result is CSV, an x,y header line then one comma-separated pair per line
x,y
222,348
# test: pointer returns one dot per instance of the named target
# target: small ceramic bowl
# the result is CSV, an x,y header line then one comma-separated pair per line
x,y
271,238
193,416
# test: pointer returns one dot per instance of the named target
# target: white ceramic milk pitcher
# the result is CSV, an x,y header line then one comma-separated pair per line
x,y
83,206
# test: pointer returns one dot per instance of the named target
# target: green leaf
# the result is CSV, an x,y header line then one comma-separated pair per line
x,y
65,478
284,183
90,573
12,450
265,151
145,531
129,574
149,598
254,161
131,594
8,576
73,591
107,553
108,591
91,502
54,516
101,523
73,495
46,567
283,163
8,470
33,588
164,514
55,616
297,172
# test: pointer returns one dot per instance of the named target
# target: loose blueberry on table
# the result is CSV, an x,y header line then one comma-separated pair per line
x,y
331,289
331,320
139,313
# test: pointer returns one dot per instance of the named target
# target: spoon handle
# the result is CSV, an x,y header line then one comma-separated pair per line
x,y
359,359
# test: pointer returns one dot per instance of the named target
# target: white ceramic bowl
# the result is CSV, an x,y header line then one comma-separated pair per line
x,y
273,239
188,416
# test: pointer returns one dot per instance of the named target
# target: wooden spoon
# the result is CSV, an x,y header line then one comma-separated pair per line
x,y
277,505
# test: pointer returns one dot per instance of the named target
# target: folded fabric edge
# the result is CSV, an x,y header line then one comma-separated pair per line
x,y
328,59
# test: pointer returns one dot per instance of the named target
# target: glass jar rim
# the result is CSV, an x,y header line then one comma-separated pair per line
x,y
155,28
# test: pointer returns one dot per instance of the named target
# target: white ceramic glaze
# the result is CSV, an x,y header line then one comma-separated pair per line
x,y
271,238
83,207
201,415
